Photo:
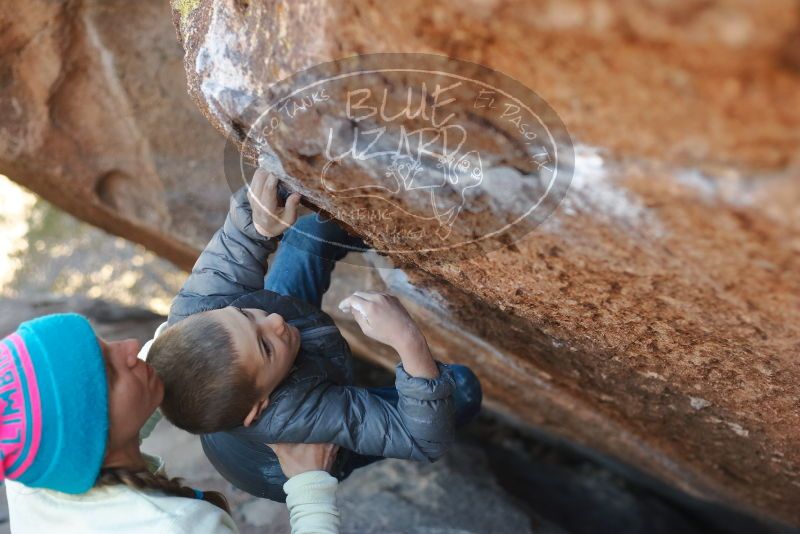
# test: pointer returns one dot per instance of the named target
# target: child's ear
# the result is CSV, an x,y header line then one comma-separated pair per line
x,y
255,411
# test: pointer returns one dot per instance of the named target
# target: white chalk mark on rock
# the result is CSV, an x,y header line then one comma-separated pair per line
x,y
698,404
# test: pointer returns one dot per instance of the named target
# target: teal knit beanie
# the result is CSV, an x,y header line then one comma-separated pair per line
x,y
53,404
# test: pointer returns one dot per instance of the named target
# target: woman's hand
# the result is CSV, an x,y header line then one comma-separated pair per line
x,y
269,219
297,458
384,319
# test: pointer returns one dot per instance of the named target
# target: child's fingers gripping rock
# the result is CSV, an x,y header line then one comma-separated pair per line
x,y
289,216
358,307
381,316
269,218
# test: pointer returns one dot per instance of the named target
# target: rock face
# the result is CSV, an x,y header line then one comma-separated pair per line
x,y
461,477
97,121
653,316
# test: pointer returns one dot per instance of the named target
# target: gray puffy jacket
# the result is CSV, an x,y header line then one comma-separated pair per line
x,y
317,402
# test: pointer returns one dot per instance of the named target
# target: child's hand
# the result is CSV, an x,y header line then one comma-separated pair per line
x,y
381,317
297,458
384,319
269,219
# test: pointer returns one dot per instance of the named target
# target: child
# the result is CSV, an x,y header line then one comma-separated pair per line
x,y
246,366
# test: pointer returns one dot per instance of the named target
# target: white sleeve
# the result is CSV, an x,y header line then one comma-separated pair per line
x,y
311,498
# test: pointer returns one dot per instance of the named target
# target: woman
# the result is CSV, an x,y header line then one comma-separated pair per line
x,y
73,407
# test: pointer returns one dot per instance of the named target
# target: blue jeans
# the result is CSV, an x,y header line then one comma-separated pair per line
x,y
302,267
309,250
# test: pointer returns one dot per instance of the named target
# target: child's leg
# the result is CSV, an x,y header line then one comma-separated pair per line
x,y
468,394
306,257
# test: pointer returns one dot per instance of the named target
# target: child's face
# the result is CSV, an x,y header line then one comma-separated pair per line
x,y
266,344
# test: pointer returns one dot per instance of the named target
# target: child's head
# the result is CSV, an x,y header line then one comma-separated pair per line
x,y
220,367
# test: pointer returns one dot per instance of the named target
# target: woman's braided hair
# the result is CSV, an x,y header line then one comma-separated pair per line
x,y
144,479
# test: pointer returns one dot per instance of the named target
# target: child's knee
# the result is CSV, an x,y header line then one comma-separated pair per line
x,y
323,233
313,225
468,394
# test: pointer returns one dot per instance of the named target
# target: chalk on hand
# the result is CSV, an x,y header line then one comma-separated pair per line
x,y
350,304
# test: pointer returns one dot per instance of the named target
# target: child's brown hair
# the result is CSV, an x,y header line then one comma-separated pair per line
x,y
206,389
